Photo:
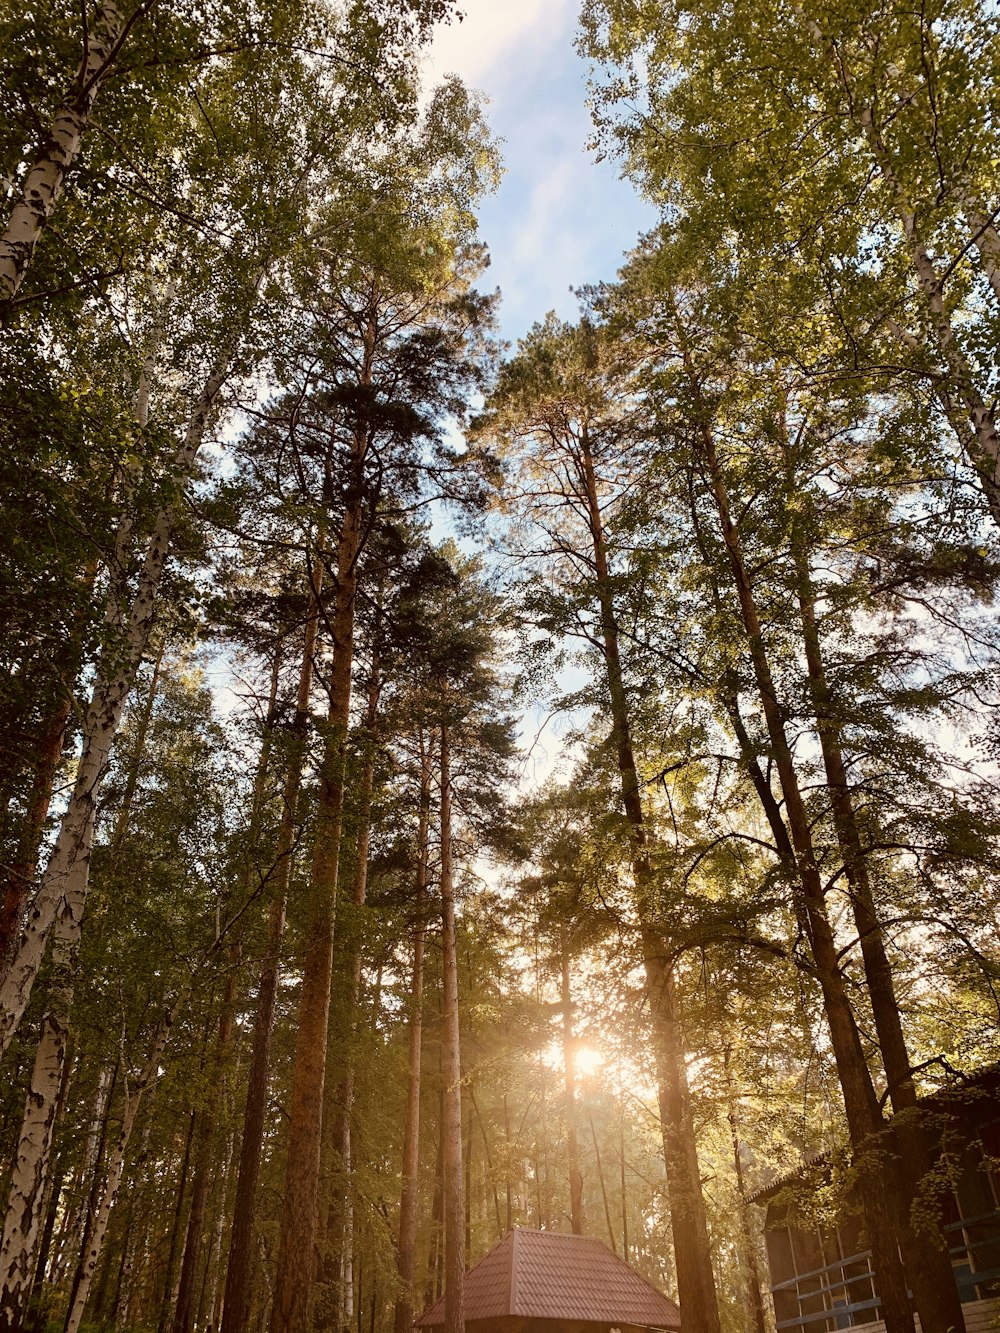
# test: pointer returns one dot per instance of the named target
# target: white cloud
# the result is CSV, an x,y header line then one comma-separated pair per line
x,y
497,38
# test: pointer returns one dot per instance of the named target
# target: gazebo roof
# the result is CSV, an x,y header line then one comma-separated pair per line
x,y
552,1275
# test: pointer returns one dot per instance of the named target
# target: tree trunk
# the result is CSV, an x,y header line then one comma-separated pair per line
x,y
454,1206
406,1250
928,1264
864,1117
751,1269
60,146
21,872
291,1311
62,892
569,1065
116,1165
204,1170
689,1224
29,1176
340,1229
236,1302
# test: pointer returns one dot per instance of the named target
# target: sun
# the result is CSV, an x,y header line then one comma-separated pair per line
x,y
588,1060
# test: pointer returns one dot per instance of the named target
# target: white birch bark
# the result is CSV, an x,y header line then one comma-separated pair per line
x,y
116,1164
59,149
985,238
63,886
27,1184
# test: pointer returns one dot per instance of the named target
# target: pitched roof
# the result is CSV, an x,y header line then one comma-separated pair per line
x,y
552,1275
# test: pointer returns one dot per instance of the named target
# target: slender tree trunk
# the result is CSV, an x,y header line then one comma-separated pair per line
x,y
92,1167
187,1296
689,1223
864,1117
569,1066
235,1309
166,1302
435,1264
29,1177
210,1305
621,1168
600,1177
454,1209
340,1229
406,1250
116,1164
928,1265
751,1269
60,147
291,1310
62,892
205,1151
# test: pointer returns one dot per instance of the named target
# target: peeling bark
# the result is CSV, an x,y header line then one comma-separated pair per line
x,y
60,147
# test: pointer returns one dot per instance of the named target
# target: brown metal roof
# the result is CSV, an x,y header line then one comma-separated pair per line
x,y
552,1275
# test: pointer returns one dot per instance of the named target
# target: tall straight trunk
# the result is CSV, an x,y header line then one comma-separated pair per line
x,y
435,1261
210,1301
569,1066
206,1148
28,1182
751,1267
27,1190
187,1295
340,1231
236,1301
92,1167
116,1165
60,146
928,1265
291,1310
407,1247
864,1118
25,1203
454,1204
688,1220
62,891
621,1171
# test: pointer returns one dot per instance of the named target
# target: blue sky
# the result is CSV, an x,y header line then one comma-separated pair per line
x,y
559,219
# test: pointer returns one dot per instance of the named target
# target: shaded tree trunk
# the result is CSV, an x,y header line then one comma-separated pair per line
x,y
689,1223
291,1310
184,1315
116,1164
569,1066
235,1308
62,891
406,1249
454,1205
928,1265
864,1117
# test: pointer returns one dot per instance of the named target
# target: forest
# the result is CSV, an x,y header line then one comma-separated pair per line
x,y
453,784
